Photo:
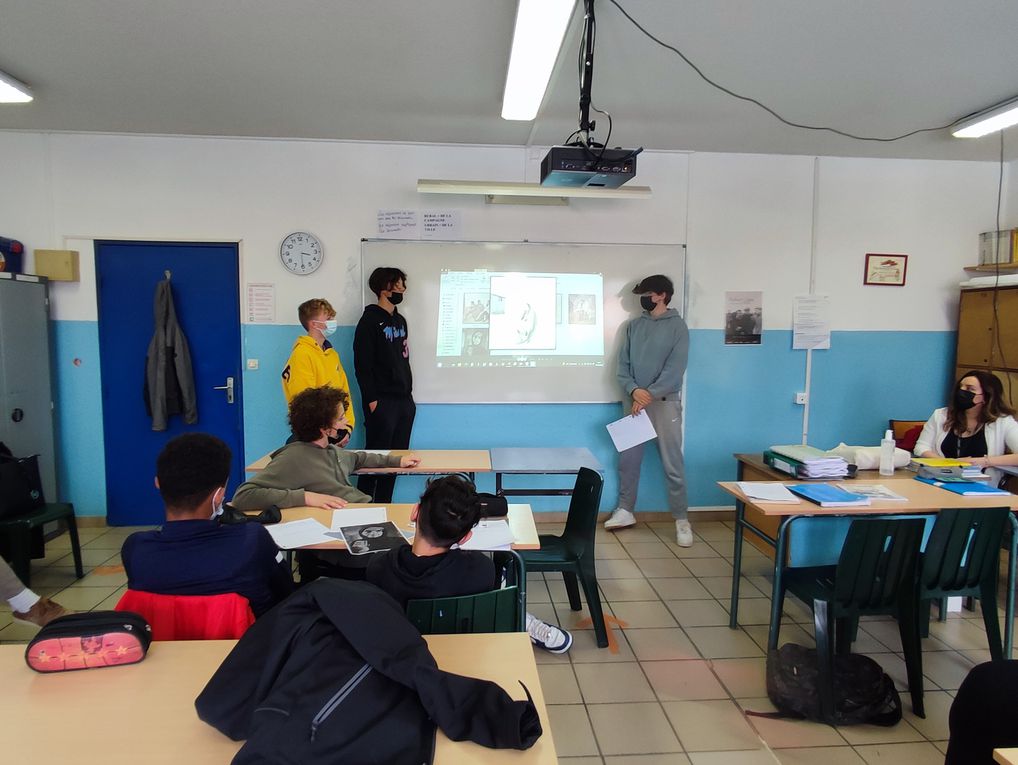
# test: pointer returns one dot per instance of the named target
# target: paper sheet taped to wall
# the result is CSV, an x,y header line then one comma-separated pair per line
x,y
811,323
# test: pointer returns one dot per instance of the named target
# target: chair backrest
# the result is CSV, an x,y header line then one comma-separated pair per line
x,y
906,432
879,558
581,521
963,549
494,611
191,617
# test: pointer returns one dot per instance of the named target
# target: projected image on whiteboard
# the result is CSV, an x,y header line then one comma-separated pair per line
x,y
498,319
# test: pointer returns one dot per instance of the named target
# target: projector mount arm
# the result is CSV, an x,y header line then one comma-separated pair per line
x,y
587,74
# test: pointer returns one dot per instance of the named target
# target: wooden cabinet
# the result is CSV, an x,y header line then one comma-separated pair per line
x,y
988,335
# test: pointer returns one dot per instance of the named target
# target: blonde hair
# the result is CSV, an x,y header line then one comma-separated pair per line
x,y
311,308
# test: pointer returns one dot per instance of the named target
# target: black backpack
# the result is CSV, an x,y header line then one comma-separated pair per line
x,y
863,693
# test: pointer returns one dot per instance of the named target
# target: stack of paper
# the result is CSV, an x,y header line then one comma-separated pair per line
x,y
813,463
767,491
493,534
289,536
829,495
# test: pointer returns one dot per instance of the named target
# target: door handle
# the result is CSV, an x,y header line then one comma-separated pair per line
x,y
228,388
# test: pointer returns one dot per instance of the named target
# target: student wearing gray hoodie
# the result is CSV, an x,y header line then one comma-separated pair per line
x,y
651,364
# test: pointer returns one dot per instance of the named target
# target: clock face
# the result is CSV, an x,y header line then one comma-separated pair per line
x,y
301,253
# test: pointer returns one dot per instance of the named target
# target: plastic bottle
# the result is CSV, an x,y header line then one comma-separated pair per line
x,y
887,454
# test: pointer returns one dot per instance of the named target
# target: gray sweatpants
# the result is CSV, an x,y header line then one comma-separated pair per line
x,y
10,585
666,417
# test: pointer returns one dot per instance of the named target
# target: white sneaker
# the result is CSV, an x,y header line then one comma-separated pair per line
x,y
683,534
548,636
621,518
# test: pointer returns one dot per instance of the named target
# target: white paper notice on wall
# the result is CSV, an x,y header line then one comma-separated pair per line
x,y
811,322
398,224
440,224
261,303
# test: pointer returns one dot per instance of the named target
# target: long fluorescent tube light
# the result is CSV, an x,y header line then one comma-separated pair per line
x,y
989,120
509,188
540,28
12,91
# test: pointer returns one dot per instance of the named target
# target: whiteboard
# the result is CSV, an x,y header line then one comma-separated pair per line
x,y
584,289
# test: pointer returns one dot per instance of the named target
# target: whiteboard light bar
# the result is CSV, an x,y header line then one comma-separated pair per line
x,y
989,120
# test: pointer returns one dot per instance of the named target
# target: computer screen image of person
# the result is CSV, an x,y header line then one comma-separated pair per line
x,y
489,318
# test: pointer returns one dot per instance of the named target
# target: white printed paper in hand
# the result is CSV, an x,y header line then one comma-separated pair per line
x,y
357,516
631,430
490,535
294,534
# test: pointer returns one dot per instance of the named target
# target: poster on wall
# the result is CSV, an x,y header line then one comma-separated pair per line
x,y
743,318
261,303
811,324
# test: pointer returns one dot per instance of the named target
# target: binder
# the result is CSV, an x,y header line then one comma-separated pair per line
x,y
829,495
965,488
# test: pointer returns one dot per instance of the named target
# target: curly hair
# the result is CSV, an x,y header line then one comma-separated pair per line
x,y
448,510
190,468
314,409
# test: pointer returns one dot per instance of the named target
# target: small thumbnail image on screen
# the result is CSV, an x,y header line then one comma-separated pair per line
x,y
475,342
476,307
582,309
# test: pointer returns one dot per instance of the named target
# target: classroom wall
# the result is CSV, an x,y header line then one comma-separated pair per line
x,y
751,222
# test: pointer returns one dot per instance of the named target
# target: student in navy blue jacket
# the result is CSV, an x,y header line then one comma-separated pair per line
x,y
192,554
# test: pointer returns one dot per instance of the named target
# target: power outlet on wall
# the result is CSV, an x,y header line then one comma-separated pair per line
x,y
801,398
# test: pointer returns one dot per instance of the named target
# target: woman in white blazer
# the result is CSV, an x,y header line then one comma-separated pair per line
x,y
978,426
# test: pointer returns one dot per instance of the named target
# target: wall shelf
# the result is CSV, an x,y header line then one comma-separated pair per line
x,y
1005,268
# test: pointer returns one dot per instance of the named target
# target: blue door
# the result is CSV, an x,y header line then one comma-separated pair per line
x,y
206,295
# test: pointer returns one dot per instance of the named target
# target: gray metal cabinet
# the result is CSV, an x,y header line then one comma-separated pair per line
x,y
26,398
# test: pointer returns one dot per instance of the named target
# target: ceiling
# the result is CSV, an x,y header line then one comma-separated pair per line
x,y
433,71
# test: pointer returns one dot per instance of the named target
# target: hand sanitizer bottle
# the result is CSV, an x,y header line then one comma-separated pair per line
x,y
887,454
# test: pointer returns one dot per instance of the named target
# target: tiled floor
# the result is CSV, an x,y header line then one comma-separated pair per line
x,y
676,689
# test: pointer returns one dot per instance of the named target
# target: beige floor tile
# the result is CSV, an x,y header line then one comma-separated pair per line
x,y
901,754
557,591
959,634
571,730
756,566
617,569
537,592
887,633
946,668
664,644
627,589
611,683
663,567
576,620
699,613
864,735
789,633
937,706
894,666
112,600
827,755
580,761
643,614
720,587
723,643
679,589
642,550
54,576
584,649
709,567
711,726
698,550
83,598
784,733
638,533
683,680
610,551
103,576
92,558
17,633
559,684
754,611
744,678
751,757
866,643
941,745
977,657
711,530
633,729
763,583
673,758
105,542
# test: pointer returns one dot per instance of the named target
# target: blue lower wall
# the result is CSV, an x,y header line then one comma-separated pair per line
x,y
739,399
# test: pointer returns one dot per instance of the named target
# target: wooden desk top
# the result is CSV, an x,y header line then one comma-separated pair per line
x,y
521,523
433,461
922,498
1006,756
145,712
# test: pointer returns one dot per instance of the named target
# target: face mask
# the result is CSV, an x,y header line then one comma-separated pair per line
x,y
217,509
647,302
964,399
396,298
340,435
330,327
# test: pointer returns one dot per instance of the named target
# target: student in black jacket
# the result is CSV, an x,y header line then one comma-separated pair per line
x,y
447,512
381,357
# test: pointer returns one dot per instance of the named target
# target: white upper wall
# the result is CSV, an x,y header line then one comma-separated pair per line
x,y
749,226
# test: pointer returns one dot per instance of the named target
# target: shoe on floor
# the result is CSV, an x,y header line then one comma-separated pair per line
x,y
41,614
548,636
621,518
683,534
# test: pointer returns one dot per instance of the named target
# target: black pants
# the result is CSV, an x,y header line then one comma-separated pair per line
x,y
388,427
983,714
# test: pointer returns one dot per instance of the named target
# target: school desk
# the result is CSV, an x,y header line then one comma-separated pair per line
x,y
145,712
433,462
521,523
1006,756
921,498
541,460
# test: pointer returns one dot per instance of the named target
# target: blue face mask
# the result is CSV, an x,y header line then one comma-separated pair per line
x,y
330,327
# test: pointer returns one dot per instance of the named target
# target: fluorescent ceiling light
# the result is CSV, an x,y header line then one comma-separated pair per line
x,y
540,28
989,120
12,91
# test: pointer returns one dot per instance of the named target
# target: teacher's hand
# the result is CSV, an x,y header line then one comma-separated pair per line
x,y
327,501
636,409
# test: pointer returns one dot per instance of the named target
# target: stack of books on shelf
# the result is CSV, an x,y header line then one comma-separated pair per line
x,y
805,462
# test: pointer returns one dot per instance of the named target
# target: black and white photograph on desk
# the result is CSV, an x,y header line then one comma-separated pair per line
x,y
743,318
372,537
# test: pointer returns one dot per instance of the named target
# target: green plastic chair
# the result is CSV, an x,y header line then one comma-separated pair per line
x,y
876,574
494,611
16,537
572,553
962,557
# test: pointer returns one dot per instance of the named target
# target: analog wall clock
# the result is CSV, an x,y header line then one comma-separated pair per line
x,y
301,253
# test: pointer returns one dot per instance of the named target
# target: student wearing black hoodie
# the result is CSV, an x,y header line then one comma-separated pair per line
x,y
381,357
445,516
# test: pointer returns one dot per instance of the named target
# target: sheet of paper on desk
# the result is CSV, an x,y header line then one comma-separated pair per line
x,y
302,533
767,491
631,430
357,516
873,491
381,452
490,535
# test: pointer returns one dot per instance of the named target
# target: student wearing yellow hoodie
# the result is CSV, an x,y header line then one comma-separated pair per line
x,y
313,361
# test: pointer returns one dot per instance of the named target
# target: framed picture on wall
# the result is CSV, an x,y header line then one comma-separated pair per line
x,y
885,270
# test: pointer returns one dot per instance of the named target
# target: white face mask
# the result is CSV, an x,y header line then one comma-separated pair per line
x,y
217,509
330,327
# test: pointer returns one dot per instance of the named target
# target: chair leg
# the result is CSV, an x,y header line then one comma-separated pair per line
x,y
911,646
778,606
988,602
942,616
925,610
844,632
72,530
825,658
590,592
572,590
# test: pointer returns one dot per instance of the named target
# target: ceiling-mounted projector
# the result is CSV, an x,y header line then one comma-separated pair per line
x,y
579,166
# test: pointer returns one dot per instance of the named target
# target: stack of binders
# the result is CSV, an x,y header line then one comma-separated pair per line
x,y
805,462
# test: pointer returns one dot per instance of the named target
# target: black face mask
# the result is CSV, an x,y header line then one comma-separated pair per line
x,y
396,298
964,399
647,302
340,435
